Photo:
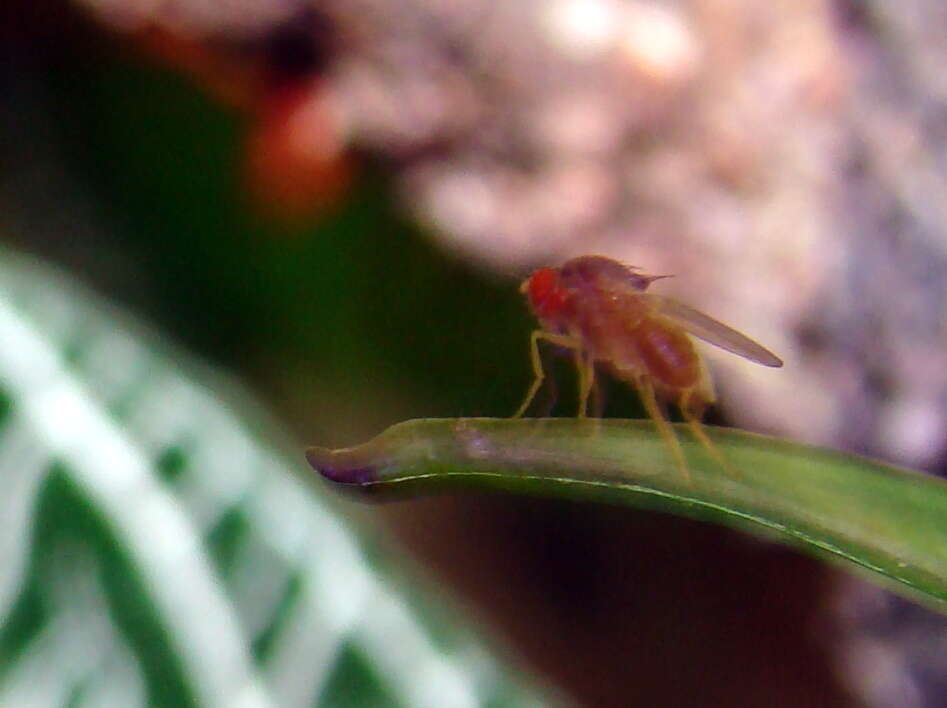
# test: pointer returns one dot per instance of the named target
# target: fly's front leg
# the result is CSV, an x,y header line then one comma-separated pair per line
x,y
561,340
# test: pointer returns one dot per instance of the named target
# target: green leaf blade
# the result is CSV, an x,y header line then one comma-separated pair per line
x,y
888,520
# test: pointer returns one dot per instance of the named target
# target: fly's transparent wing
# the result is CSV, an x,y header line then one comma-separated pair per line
x,y
710,330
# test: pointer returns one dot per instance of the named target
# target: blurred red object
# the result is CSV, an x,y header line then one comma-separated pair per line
x,y
297,164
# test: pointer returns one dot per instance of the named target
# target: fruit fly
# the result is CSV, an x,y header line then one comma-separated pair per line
x,y
598,308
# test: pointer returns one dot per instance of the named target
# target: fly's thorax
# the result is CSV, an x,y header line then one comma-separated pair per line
x,y
604,322
602,274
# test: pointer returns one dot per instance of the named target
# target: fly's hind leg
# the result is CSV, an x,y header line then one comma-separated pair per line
x,y
559,339
693,412
650,401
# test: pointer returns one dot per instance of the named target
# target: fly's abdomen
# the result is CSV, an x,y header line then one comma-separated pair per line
x,y
667,353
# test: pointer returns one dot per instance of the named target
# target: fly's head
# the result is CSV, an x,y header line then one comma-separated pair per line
x,y
546,296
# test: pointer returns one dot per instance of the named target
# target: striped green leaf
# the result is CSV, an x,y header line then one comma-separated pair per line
x,y
159,549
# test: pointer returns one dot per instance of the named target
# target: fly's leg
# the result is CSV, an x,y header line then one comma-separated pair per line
x,y
597,398
586,368
559,339
648,397
551,395
693,420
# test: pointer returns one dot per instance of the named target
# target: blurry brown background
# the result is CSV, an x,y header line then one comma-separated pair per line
x,y
336,199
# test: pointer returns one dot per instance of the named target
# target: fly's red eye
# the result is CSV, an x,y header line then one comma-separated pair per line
x,y
540,284
544,293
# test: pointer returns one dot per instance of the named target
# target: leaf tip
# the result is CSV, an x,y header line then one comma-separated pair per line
x,y
334,467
